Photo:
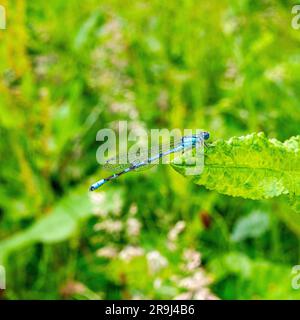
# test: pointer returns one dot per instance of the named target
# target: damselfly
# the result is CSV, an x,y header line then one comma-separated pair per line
x,y
143,162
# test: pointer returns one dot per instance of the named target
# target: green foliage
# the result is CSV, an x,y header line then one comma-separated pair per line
x,y
251,226
251,167
68,70
61,223
240,276
57,226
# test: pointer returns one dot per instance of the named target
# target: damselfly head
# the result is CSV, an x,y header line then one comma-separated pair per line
x,y
205,135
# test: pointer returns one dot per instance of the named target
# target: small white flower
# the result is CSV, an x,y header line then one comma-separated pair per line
x,y
176,230
130,252
133,227
104,203
204,294
107,252
139,296
109,225
196,282
157,283
156,261
173,235
192,258
184,296
97,198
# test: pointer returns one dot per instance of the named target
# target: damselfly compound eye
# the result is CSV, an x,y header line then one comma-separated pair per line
x,y
206,135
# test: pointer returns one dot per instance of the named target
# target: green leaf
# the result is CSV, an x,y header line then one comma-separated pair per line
x,y
295,203
251,226
63,221
256,278
250,166
231,263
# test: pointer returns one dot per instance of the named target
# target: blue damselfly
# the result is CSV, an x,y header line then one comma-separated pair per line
x,y
143,162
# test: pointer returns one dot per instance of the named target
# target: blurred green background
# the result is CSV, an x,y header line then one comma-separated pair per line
x,y
70,68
